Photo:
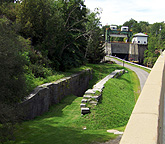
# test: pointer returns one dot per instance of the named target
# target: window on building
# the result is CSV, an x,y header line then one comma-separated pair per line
x,y
145,42
138,41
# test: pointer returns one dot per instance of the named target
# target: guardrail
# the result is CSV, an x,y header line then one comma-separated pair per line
x,y
145,125
132,63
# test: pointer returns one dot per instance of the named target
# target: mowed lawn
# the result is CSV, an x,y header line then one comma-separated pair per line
x,y
63,124
59,126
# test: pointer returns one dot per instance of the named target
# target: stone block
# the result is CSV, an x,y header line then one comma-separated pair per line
x,y
85,111
96,97
93,102
84,101
87,96
97,88
89,91
82,105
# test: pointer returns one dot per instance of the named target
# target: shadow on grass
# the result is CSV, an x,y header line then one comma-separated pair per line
x,y
124,79
56,110
47,134
59,126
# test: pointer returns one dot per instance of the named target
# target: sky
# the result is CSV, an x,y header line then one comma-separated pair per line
x,y
119,11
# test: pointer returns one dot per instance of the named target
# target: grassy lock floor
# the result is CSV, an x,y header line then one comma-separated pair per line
x,y
63,124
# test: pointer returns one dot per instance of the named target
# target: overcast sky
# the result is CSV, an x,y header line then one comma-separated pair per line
x,y
120,11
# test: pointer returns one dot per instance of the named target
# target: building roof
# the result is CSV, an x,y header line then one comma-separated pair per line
x,y
140,35
124,26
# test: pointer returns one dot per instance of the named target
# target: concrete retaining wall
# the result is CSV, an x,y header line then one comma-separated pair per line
x,y
45,95
127,51
120,48
145,125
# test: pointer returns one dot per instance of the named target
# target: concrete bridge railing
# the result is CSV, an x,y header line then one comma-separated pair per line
x,y
145,125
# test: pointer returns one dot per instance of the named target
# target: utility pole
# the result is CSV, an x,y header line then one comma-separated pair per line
x,y
160,35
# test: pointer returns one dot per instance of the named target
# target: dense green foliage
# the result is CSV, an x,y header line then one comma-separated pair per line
x,y
52,36
94,51
64,123
58,30
137,27
12,81
39,38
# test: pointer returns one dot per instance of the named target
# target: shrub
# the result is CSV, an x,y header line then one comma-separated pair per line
x,y
12,81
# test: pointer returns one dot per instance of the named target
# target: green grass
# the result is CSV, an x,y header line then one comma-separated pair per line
x,y
119,97
101,71
63,124
59,126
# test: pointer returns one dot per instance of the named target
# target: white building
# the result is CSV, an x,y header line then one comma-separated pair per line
x,y
140,38
113,27
124,28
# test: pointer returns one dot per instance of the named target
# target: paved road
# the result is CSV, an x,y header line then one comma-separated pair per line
x,y
142,75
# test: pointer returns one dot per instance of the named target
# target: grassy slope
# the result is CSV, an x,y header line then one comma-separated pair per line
x,y
63,124
117,103
59,126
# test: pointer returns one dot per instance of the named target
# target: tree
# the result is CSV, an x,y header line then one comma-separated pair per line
x,y
144,26
6,1
130,23
95,50
12,80
57,29
32,17
9,10
154,30
66,34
